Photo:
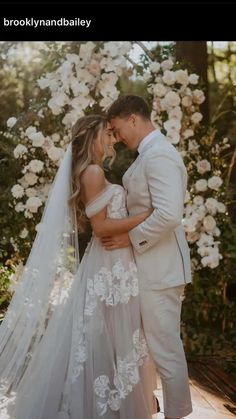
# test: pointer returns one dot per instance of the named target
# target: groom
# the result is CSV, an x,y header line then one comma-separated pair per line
x,y
157,179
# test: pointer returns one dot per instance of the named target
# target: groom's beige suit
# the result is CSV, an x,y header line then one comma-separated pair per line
x,y
157,179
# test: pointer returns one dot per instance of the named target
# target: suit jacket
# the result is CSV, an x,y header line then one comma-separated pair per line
x,y
158,179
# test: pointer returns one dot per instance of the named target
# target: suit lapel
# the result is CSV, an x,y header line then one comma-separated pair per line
x,y
130,170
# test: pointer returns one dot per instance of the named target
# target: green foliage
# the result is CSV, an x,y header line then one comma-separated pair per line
x,y
5,294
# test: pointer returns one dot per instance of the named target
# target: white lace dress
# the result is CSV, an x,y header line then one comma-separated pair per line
x,y
101,366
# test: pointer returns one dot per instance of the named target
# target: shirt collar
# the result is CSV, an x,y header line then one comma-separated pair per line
x,y
147,139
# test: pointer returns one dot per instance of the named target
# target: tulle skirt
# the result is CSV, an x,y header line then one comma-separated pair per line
x,y
92,361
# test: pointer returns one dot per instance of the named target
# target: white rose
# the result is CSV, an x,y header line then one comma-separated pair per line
x,y
31,178
209,223
33,203
28,214
200,212
146,76
23,182
198,200
36,166
11,122
173,136
37,139
205,240
215,182
19,151
196,117
94,68
203,250
189,224
169,77
154,67
186,101
24,233
172,99
167,64
182,77
172,124
216,232
110,49
176,113
192,237
30,130
57,101
211,205
188,133
221,207
19,207
38,227
48,143
55,153
203,166
193,146
44,82
193,78
213,258
17,191
201,185
198,96
55,137
30,192
159,90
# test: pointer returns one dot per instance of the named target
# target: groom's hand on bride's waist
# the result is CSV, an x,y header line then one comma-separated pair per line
x,y
116,242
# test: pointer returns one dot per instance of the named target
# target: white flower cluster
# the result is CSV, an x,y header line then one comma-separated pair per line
x,y
85,78
32,188
79,81
200,223
176,100
90,78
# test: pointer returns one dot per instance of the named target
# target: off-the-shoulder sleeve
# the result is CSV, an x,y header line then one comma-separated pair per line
x,y
100,202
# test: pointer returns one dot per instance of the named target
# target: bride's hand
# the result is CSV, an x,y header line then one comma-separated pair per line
x,y
147,213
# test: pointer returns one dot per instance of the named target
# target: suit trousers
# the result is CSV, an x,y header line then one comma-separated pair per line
x,y
161,312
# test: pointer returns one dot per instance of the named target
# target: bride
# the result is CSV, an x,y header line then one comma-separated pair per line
x,y
71,343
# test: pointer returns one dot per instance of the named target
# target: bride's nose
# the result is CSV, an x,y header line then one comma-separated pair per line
x,y
113,140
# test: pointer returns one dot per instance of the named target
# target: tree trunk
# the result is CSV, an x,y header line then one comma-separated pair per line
x,y
195,53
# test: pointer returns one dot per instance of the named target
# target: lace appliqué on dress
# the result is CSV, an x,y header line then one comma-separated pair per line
x,y
112,286
126,376
117,205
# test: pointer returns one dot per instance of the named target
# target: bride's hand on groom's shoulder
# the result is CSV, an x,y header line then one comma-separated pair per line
x,y
116,242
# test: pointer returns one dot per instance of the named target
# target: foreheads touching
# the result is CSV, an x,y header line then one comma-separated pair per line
x,y
129,116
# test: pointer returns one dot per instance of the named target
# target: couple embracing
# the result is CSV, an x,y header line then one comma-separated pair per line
x,y
95,354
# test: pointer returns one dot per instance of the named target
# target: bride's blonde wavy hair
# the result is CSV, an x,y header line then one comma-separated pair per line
x,y
84,132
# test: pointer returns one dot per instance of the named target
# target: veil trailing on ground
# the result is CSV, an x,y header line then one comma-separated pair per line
x,y
41,297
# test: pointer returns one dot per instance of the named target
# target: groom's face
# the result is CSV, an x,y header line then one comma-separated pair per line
x,y
125,130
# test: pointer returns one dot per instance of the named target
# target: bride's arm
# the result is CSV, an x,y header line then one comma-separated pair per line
x,y
93,183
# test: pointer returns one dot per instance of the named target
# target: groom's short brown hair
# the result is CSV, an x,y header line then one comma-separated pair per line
x,y
128,104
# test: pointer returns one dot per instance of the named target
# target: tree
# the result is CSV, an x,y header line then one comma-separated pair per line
x,y
195,53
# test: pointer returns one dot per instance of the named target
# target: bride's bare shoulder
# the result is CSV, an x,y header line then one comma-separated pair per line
x,y
91,172
93,176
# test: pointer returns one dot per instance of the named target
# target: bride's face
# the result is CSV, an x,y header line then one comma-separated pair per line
x,y
104,143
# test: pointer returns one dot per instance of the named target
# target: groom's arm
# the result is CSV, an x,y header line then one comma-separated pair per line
x,y
165,185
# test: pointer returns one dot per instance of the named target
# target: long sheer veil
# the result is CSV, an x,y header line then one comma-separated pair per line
x,y
42,295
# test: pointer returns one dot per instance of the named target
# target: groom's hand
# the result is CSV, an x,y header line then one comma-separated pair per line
x,y
116,242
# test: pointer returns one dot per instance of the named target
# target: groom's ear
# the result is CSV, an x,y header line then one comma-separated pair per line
x,y
133,119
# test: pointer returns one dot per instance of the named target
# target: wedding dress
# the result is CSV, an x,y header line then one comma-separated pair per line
x,y
90,359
